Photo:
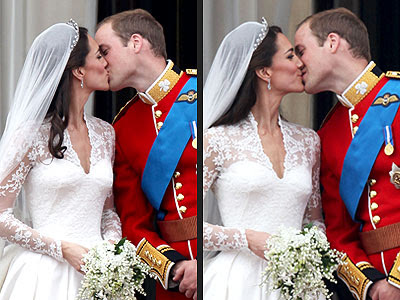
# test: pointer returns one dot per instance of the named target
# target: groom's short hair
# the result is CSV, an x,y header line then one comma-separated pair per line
x,y
141,22
346,24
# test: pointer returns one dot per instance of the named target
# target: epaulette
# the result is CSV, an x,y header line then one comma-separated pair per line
x,y
125,108
329,114
393,74
192,72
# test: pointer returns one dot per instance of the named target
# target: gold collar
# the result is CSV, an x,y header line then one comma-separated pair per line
x,y
361,86
162,85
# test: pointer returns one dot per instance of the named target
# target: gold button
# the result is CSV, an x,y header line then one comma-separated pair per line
x,y
178,185
354,118
158,113
372,182
372,194
376,219
159,125
182,209
355,129
374,205
177,174
180,197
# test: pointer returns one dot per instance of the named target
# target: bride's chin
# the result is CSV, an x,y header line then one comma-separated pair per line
x,y
105,87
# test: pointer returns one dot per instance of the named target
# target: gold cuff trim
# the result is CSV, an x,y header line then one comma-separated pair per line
x,y
394,274
361,88
355,280
164,248
364,265
160,264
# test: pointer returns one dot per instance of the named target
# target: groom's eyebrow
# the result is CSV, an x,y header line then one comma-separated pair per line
x,y
296,49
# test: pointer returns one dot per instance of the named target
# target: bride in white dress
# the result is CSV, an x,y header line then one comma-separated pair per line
x,y
60,161
263,171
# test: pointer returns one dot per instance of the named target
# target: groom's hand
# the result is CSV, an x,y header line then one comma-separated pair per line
x,y
185,272
382,290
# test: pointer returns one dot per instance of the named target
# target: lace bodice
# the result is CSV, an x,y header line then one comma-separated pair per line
x,y
64,203
248,192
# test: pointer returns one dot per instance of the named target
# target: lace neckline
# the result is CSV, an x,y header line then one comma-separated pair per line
x,y
254,124
74,154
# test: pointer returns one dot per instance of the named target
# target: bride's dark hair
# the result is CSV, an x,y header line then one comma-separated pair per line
x,y
58,113
246,96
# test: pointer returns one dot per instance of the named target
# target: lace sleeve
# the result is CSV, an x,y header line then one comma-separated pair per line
x,y
212,161
313,213
110,222
219,238
111,225
215,237
12,229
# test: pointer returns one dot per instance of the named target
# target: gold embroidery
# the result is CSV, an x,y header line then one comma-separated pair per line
x,y
356,281
394,274
393,74
363,86
159,263
190,96
386,99
163,86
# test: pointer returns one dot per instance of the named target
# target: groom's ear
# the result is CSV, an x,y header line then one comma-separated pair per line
x,y
333,41
136,42
263,73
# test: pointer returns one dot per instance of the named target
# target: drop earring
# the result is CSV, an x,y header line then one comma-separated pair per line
x,y
82,83
269,84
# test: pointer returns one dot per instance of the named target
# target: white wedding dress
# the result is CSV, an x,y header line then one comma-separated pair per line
x,y
64,203
250,195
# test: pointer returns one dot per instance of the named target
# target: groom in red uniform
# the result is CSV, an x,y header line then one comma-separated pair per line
x,y
156,150
360,155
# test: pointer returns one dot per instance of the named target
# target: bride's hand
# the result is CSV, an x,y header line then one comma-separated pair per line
x,y
257,241
73,254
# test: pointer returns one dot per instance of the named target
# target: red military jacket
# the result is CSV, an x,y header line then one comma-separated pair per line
x,y
379,205
136,128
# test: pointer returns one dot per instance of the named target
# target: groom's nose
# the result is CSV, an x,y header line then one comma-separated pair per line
x,y
299,63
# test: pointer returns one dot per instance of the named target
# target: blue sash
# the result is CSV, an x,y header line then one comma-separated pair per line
x,y
365,147
168,147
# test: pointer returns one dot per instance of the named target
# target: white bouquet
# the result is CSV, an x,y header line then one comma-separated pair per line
x,y
297,263
113,272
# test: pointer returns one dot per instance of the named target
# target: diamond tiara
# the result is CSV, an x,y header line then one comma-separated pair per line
x,y
262,34
72,23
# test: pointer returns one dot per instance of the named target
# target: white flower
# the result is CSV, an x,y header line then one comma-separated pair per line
x,y
361,87
113,272
297,262
164,85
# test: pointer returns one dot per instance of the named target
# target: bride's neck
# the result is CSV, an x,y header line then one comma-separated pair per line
x,y
266,112
76,108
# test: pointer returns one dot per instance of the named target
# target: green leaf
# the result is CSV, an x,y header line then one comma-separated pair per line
x,y
118,246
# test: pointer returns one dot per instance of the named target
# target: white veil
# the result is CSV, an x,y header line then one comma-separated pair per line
x,y
223,82
37,84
